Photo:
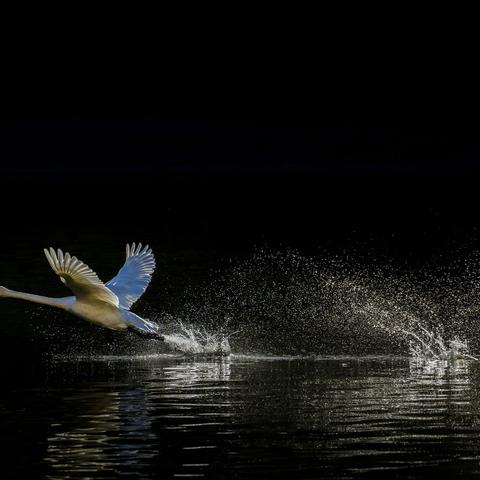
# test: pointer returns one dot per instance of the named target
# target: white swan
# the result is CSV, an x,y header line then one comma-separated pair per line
x,y
103,304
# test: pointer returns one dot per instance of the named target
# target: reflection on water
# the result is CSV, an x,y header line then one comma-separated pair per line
x,y
88,442
105,432
245,418
440,369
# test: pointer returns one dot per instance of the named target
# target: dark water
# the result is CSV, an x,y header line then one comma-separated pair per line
x,y
247,417
124,416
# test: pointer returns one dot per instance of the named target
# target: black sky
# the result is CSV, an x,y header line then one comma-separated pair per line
x,y
229,145
218,150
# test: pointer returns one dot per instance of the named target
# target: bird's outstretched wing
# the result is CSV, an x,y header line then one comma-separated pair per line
x,y
133,278
78,277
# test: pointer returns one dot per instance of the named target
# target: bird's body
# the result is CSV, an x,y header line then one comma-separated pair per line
x,y
107,305
100,313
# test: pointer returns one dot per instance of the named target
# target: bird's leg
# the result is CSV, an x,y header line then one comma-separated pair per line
x,y
147,335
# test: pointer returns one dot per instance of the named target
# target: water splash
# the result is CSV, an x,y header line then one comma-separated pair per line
x,y
431,346
422,342
194,341
288,303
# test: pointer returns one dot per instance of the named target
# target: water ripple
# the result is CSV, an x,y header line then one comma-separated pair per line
x,y
246,418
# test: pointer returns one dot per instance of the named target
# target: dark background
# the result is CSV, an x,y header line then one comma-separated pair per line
x,y
211,149
234,182
209,164
307,132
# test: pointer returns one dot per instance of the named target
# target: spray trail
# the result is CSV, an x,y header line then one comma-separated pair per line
x,y
288,303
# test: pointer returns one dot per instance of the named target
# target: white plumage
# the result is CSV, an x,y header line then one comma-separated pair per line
x,y
103,304
133,278
79,278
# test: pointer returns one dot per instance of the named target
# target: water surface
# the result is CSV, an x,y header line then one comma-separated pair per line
x,y
246,417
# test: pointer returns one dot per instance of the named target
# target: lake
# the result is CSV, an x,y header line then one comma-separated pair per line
x,y
79,401
164,416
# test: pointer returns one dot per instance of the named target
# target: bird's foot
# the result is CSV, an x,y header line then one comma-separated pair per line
x,y
147,335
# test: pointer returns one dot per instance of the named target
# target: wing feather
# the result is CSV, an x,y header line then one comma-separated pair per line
x,y
134,277
79,277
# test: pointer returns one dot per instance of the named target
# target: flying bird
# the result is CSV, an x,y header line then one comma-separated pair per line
x,y
105,304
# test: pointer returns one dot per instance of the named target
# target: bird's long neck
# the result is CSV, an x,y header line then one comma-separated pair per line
x,y
54,302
